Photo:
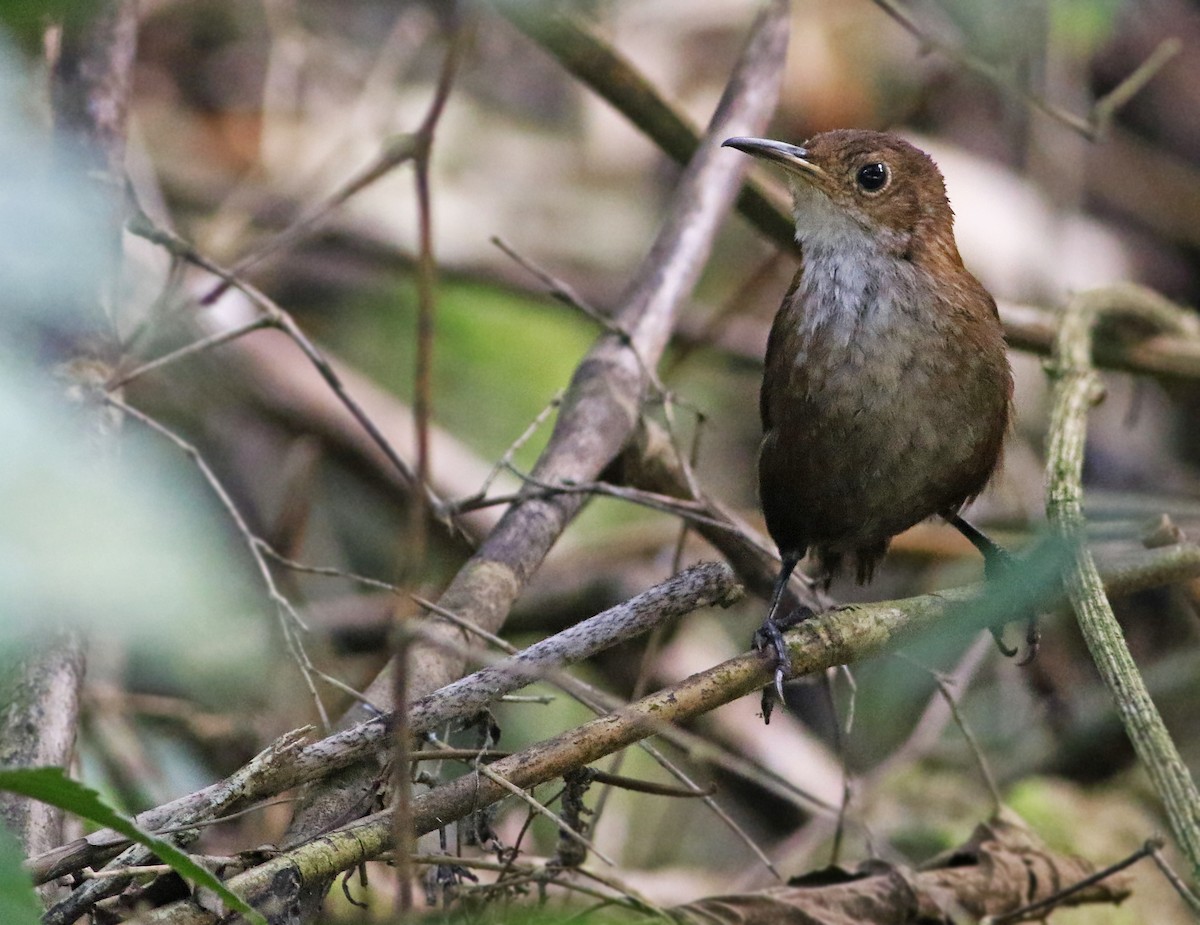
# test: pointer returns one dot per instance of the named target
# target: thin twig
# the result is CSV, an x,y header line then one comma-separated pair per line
x,y
542,810
1043,906
396,152
289,617
568,296
1185,893
1093,126
141,225
947,695
197,346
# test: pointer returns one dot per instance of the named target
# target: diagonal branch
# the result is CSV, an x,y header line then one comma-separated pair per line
x,y
832,639
613,77
603,403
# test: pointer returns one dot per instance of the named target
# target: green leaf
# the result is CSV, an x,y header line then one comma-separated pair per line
x,y
18,903
51,785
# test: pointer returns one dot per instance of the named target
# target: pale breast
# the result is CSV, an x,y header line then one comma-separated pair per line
x,y
867,398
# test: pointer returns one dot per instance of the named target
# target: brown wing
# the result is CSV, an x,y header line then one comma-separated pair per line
x,y
774,345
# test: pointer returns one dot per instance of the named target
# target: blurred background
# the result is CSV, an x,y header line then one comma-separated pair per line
x,y
249,116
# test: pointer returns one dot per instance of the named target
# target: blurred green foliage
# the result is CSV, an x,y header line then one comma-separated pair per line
x,y
18,903
1010,31
26,20
499,357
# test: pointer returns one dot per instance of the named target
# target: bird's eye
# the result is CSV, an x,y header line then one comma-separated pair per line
x,y
872,177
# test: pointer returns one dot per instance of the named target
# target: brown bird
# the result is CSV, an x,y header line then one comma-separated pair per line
x,y
886,393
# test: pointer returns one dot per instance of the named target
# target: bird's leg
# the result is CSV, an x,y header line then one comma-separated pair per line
x,y
771,631
996,559
997,562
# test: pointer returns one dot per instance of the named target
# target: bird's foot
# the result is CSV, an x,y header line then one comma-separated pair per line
x,y
770,634
998,565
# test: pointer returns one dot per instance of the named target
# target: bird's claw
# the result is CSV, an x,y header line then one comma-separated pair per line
x,y
1033,642
771,634
998,635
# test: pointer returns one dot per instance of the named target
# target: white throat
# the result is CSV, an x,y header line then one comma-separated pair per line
x,y
850,280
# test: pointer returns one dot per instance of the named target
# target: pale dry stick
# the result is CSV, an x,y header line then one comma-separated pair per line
x,y
195,347
289,618
133,870
1093,126
207,823
984,768
505,462
396,152
1185,893
649,464
283,606
543,875
328,571
1076,388
928,728
296,649
635,898
852,701
567,296
106,843
694,511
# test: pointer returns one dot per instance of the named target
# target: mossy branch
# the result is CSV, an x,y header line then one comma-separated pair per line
x,y
834,638
1077,387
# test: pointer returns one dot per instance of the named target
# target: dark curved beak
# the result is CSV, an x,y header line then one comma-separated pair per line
x,y
792,158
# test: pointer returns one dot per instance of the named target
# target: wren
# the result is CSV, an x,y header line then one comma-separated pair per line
x,y
886,391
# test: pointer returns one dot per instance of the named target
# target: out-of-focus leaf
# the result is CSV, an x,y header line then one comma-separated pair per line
x,y
18,903
27,20
51,785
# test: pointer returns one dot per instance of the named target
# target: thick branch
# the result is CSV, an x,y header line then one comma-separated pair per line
x,y
285,764
835,638
602,405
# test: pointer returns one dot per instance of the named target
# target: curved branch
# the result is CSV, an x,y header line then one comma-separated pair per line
x,y
1077,388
